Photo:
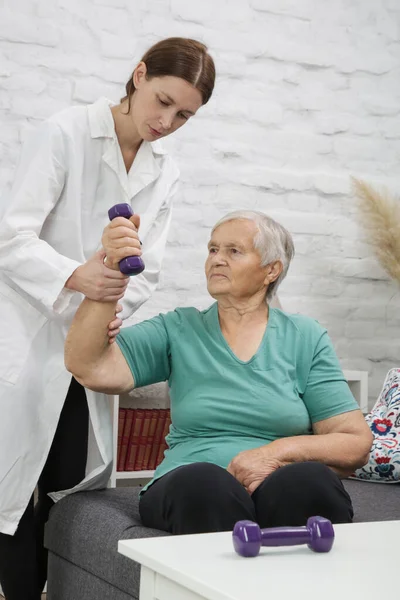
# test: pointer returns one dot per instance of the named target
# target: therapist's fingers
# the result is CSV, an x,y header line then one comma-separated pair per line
x,y
114,291
111,282
113,274
113,297
114,329
114,326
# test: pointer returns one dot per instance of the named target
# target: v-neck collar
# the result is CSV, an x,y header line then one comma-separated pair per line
x,y
220,335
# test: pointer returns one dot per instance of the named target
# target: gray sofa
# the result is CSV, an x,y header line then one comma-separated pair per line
x,y
83,531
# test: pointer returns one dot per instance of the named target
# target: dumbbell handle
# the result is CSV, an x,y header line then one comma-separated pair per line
x,y
131,265
285,536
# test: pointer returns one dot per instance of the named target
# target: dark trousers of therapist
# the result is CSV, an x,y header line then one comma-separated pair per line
x,y
23,559
203,497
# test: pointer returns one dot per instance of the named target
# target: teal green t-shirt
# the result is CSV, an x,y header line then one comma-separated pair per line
x,y
221,405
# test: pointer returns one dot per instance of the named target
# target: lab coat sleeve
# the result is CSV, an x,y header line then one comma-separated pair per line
x,y
29,262
142,286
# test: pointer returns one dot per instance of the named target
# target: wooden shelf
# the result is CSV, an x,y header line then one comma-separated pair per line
x,y
134,474
358,383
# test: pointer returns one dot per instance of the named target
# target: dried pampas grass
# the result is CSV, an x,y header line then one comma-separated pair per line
x,y
380,218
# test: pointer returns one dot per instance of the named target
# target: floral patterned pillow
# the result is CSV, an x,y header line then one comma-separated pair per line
x,y
384,420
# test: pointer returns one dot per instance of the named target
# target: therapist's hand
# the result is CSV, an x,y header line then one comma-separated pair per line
x,y
121,239
114,325
97,281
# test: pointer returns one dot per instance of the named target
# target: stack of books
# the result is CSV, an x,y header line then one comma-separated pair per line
x,y
141,438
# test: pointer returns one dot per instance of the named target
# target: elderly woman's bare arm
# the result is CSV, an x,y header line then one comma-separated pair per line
x,y
342,442
94,362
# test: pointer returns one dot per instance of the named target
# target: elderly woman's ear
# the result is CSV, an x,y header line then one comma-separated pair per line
x,y
274,269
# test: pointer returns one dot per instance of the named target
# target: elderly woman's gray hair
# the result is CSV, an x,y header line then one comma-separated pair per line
x,y
272,241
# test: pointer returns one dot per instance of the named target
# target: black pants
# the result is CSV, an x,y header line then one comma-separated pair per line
x,y
203,497
23,559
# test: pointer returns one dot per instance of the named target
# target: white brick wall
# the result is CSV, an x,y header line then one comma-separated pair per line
x,y
308,93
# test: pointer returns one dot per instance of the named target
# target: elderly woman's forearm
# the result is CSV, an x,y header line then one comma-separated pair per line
x,y
87,340
344,452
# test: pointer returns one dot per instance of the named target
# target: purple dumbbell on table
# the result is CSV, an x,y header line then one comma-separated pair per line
x,y
131,265
248,538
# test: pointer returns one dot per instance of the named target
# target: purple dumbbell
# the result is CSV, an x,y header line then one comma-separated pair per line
x,y
248,538
131,265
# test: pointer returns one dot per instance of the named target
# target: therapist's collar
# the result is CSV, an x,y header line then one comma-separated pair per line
x,y
101,123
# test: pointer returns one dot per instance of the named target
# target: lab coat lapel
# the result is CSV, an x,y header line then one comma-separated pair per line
x,y
101,125
113,160
144,171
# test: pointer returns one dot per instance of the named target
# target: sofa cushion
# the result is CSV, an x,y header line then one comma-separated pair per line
x,y
373,502
84,528
384,420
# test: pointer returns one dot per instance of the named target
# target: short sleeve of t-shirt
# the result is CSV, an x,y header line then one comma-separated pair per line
x,y
146,349
327,393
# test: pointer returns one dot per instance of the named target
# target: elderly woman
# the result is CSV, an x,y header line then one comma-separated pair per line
x,y
263,422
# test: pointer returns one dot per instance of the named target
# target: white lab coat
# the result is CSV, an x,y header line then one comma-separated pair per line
x,y
70,174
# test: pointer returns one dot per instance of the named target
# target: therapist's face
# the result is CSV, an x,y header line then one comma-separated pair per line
x,y
161,105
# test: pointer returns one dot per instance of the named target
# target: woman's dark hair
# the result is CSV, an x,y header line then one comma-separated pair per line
x,y
179,57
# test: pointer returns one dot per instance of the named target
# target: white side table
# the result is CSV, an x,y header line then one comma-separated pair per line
x,y
205,567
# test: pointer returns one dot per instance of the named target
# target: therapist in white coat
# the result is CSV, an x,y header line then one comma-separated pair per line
x,y
53,432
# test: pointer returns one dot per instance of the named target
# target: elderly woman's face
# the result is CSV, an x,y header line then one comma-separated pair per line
x,y
233,265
